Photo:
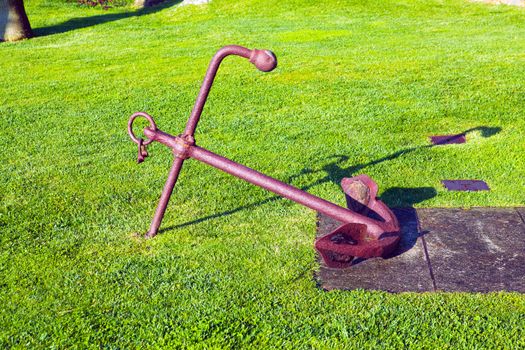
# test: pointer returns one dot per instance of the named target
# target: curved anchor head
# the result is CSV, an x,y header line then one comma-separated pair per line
x,y
339,247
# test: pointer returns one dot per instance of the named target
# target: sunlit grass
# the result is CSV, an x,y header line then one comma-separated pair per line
x,y
359,88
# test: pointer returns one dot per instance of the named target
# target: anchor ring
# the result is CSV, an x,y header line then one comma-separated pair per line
x,y
152,124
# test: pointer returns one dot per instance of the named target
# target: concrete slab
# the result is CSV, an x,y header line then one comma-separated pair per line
x,y
521,213
477,250
406,270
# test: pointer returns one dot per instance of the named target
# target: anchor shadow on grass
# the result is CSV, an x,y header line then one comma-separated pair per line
x,y
84,22
402,198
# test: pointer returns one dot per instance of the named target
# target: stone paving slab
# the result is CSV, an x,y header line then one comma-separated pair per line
x,y
521,213
476,250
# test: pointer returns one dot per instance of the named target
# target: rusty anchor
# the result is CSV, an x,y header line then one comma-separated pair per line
x,y
369,227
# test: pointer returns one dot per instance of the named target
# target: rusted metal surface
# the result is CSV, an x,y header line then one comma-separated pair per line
x,y
354,239
373,232
465,185
264,60
405,269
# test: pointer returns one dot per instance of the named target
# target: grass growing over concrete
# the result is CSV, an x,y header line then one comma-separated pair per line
x,y
359,88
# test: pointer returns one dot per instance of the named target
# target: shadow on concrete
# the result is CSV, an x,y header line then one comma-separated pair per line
x,y
84,22
406,215
393,197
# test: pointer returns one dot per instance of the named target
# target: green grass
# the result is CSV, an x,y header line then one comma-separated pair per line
x,y
359,88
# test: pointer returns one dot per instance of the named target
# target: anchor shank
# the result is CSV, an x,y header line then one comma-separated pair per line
x,y
282,189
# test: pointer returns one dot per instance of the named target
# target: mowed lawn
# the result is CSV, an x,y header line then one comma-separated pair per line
x,y
359,88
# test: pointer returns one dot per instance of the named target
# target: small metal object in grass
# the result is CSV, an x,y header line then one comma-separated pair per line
x,y
448,139
372,231
465,185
